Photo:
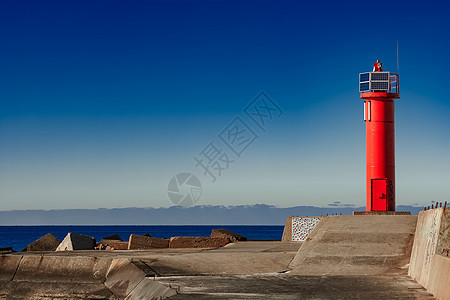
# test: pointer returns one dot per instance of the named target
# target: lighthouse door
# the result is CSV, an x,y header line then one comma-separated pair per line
x,y
379,195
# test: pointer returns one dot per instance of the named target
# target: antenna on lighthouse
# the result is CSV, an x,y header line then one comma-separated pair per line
x,y
398,65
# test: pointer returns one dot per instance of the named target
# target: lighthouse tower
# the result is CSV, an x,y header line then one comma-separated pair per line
x,y
379,90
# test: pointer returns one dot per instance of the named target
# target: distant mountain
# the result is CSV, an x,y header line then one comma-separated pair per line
x,y
259,214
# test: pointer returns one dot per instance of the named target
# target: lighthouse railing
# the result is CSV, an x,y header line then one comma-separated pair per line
x,y
394,86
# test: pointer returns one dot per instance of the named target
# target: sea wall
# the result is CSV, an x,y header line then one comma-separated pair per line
x,y
429,264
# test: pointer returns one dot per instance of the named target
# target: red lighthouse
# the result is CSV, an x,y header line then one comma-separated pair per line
x,y
379,90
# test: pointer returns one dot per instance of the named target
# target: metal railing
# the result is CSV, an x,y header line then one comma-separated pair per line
x,y
394,86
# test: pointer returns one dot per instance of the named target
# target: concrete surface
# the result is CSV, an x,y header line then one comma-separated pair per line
x,y
127,274
48,290
148,288
356,245
8,266
238,259
345,257
125,279
432,238
287,232
123,276
283,286
439,280
62,269
244,270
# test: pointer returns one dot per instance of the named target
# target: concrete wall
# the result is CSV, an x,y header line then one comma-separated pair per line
x,y
431,241
287,232
297,229
76,277
439,280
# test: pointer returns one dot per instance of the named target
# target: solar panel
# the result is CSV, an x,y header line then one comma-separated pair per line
x,y
364,87
379,86
380,76
364,77
374,81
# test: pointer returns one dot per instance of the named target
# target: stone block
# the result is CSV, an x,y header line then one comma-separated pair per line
x,y
123,276
197,242
111,239
114,237
118,245
75,241
46,243
144,242
223,233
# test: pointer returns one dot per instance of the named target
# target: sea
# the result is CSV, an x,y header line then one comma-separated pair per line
x,y
18,237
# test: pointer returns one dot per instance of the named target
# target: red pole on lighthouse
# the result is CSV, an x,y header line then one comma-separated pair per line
x,y
379,90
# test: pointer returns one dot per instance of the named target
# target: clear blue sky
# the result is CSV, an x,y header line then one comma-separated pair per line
x,y
102,102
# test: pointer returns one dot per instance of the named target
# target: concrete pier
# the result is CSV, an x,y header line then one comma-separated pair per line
x,y
344,257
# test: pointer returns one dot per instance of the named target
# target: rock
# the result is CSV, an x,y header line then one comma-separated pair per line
x,y
111,239
75,241
118,245
145,242
147,234
100,246
223,233
5,250
46,243
198,242
114,237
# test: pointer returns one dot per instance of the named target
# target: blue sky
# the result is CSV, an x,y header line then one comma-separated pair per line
x,y
102,103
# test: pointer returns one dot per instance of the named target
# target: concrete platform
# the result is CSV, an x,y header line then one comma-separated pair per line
x,y
357,245
282,286
243,270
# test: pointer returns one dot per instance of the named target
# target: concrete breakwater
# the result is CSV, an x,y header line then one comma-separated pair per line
x,y
430,261
364,257
75,277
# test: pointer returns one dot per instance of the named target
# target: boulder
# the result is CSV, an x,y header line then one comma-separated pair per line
x,y
46,243
101,246
5,250
114,237
223,233
118,245
75,241
111,239
145,242
198,242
